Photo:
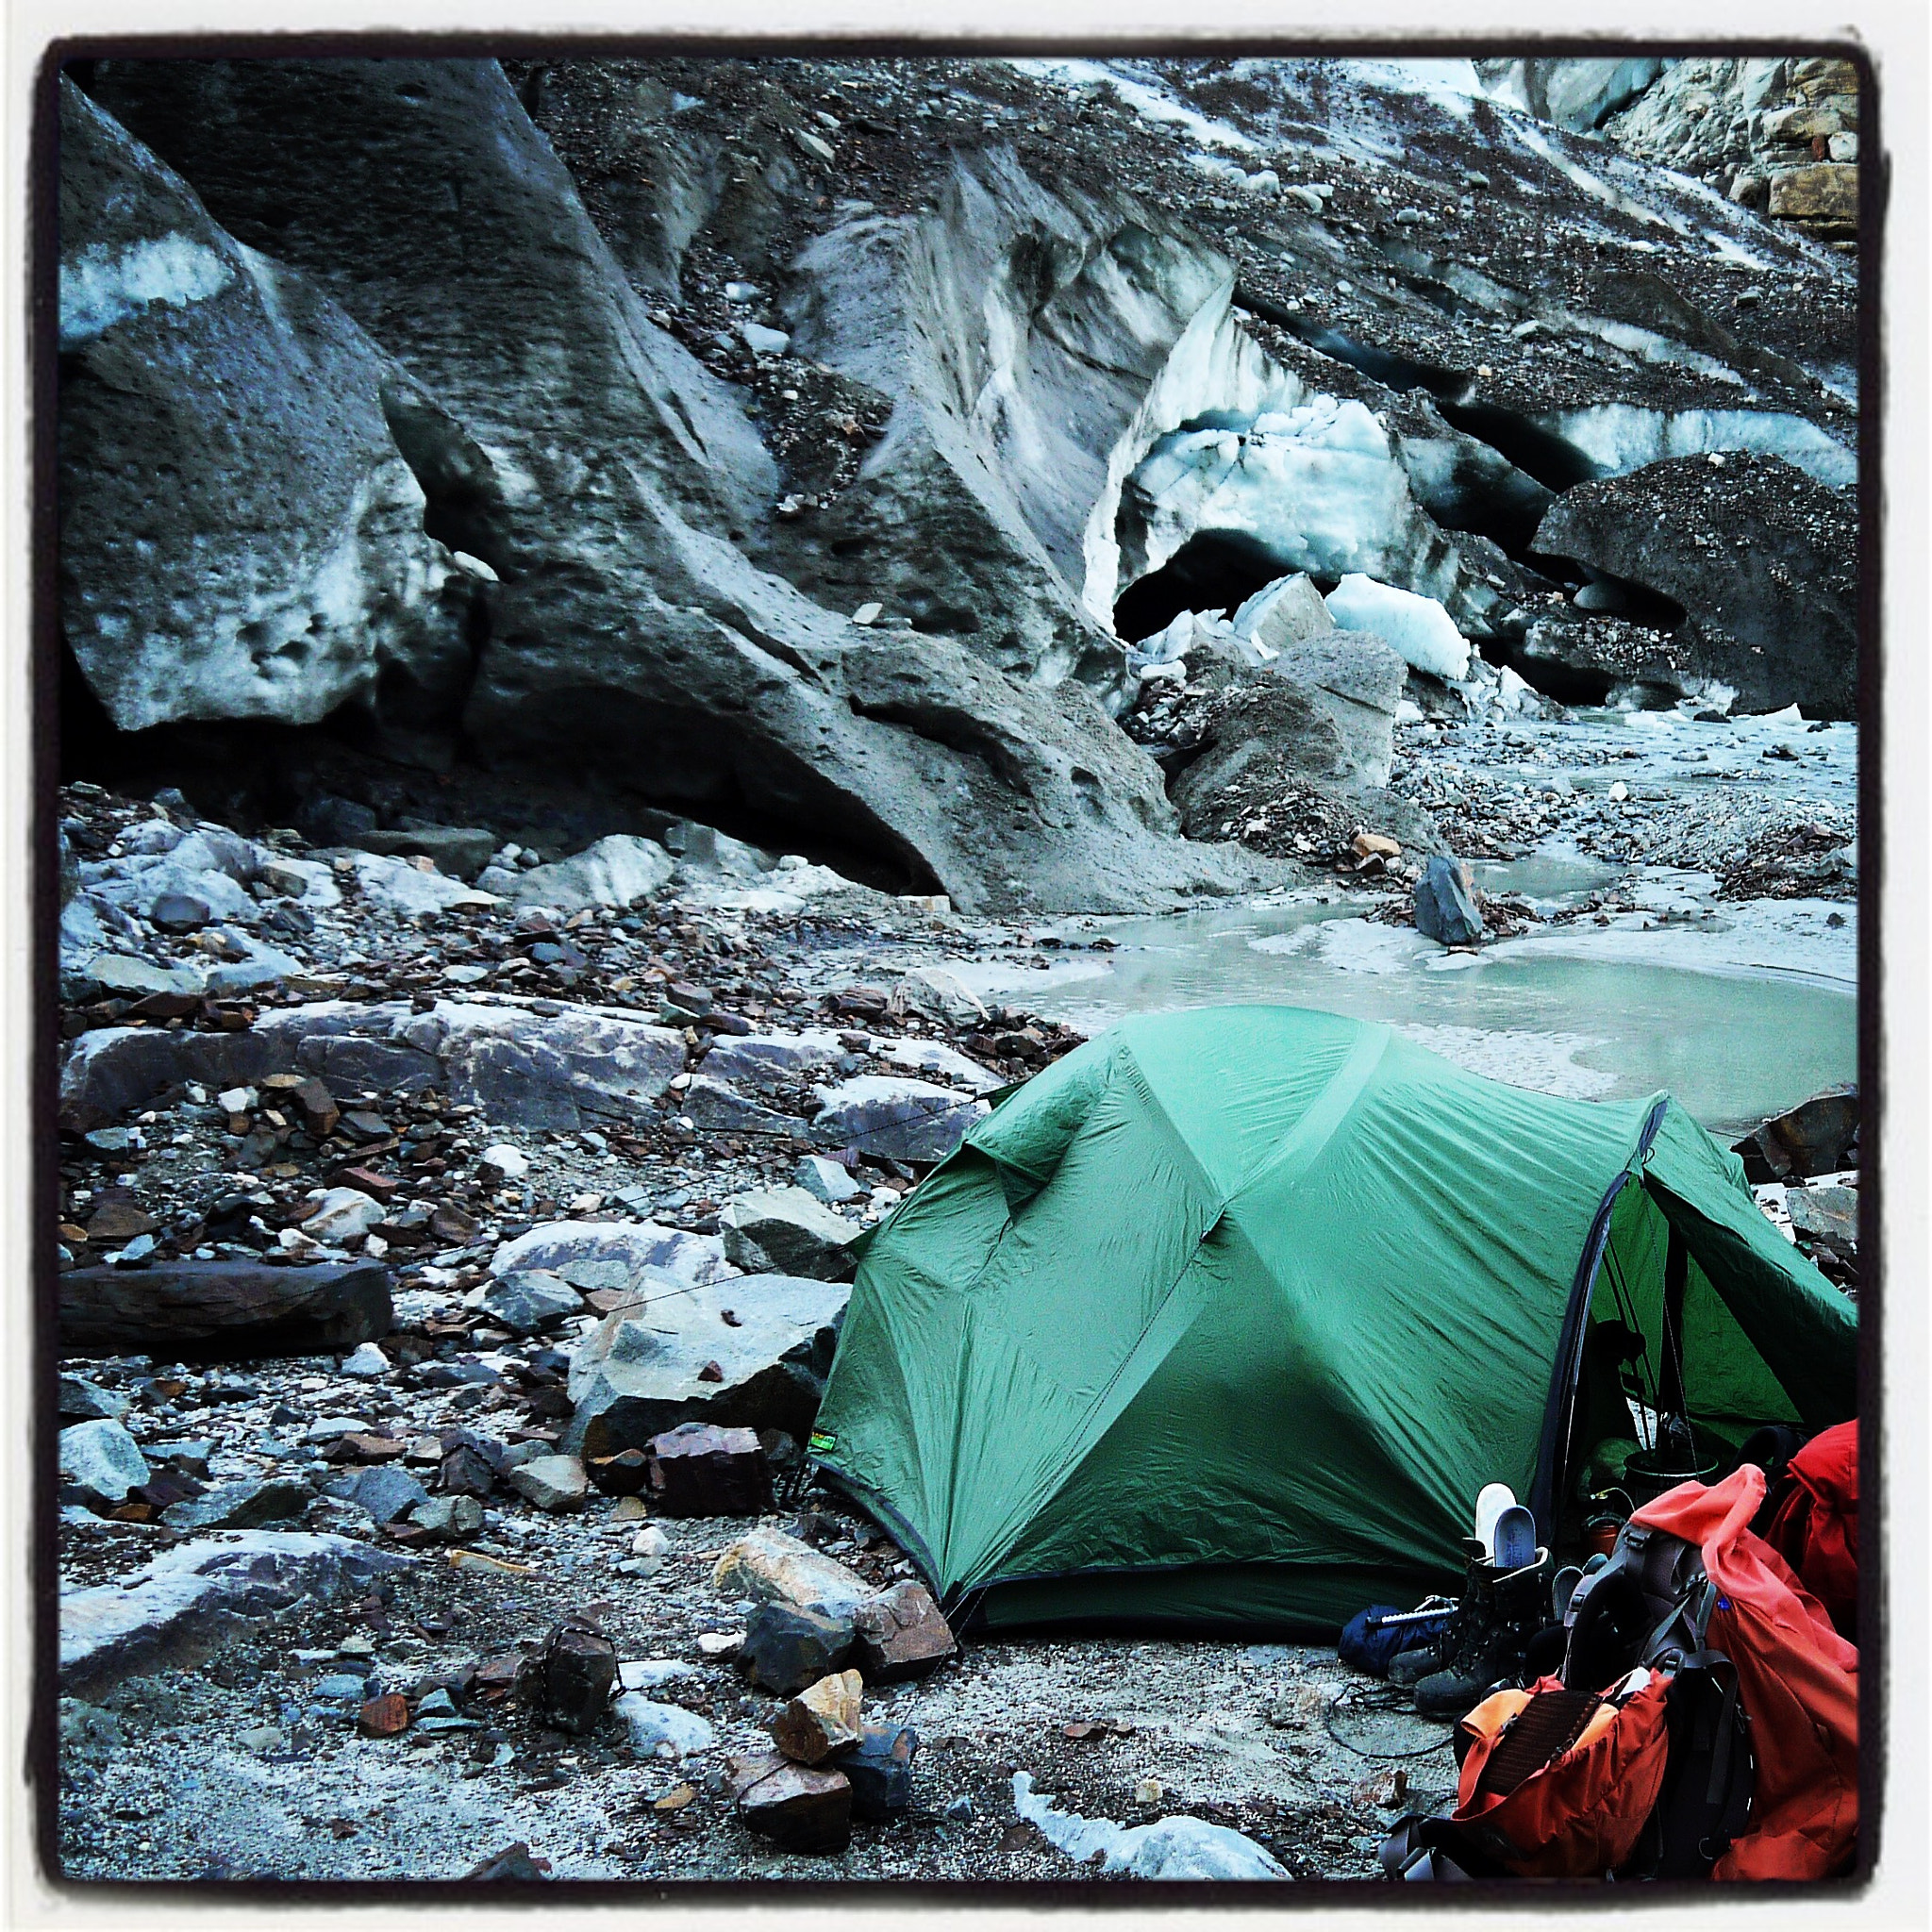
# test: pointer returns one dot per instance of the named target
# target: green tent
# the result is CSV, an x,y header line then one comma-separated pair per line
x,y
1224,1318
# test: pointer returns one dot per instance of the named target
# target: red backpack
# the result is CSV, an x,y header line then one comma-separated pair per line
x,y
1815,1524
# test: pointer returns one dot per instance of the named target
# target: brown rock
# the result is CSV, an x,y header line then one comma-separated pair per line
x,y
308,1097
384,1717
120,1221
700,1470
566,1684
901,1634
800,1810
823,1720
378,1187
1825,192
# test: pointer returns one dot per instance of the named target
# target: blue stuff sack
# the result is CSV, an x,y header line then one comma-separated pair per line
x,y
1364,1645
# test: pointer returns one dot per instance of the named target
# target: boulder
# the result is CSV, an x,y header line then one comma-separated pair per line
x,y
342,1217
766,1062
901,1633
394,885
1290,610
1359,680
554,1483
223,1310
284,564
526,1299
617,871
826,1180
698,1469
1825,194
1818,1135
188,1600
641,1371
711,1104
801,1808
1445,906
772,1567
939,995
638,1256
879,1769
901,1120
242,1506
1762,558
384,1492
787,1647
463,851
81,1400
1825,1217
566,1684
786,1231
822,1720
101,1460
449,1518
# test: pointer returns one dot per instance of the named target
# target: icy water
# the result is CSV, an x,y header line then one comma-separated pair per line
x,y
1737,1017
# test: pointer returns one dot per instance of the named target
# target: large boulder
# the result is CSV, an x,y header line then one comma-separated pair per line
x,y
676,1357
239,536
223,1310
786,1230
1763,558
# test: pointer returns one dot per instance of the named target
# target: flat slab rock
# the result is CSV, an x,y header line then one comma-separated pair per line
x,y
224,1311
190,1599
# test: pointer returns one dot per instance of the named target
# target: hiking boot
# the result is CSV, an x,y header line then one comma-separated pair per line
x,y
1505,1612
1408,1667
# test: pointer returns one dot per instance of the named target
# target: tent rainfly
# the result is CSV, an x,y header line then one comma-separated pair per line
x,y
1223,1318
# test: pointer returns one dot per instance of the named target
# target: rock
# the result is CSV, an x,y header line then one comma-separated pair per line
x,y
513,1862
1445,907
616,870
1758,554
901,1634
1826,194
1816,1137
393,885
649,1547
179,912
652,1672
774,341
102,1460
800,1809
117,973
822,1720
88,1734
711,1104
285,562
639,1373
765,1062
188,1600
879,1769
385,1492
787,1648
566,1684
556,1483
223,1310
1263,734
1358,679
463,851
697,1470
1290,610
367,1363
384,1717
826,1180
901,1120
939,995
510,1163
785,1231
242,1506
719,1643
591,1254
450,1518
526,1299
1825,1217
342,1217
663,1730
81,1400
771,1567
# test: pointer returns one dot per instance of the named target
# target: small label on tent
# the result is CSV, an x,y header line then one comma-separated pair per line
x,y
818,1443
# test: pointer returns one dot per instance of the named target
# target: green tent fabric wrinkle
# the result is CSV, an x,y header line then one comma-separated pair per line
x,y
1225,1317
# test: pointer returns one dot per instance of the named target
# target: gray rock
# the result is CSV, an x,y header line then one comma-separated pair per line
x,y
367,1362
637,1374
285,562
178,911
383,1492
463,851
903,1120
616,870
449,1518
610,1255
826,1180
551,1482
939,995
765,1062
1445,907
663,1729
118,973
242,1506
82,1401
526,1299
190,1599
710,1104
342,1217
393,885
101,1459
786,1231
787,1648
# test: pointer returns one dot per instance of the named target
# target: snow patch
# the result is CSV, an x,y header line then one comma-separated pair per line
x,y
103,285
1149,99
1418,628
1169,1848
